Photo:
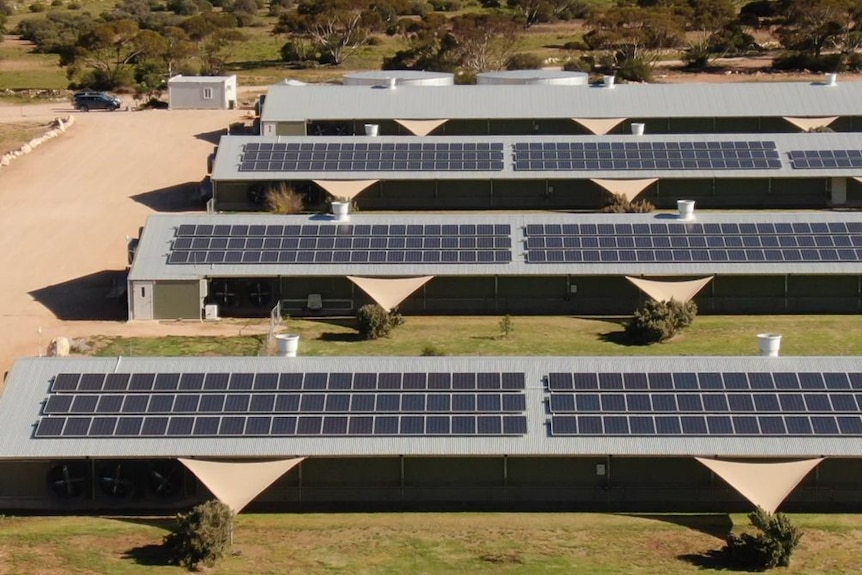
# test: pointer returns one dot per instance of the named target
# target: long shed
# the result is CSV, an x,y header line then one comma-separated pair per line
x,y
202,92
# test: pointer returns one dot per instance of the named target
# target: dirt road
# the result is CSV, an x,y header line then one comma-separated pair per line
x,y
68,207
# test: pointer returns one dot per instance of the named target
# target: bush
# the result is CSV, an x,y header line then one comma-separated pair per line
x,y
576,45
620,204
38,7
635,70
524,61
282,199
506,326
803,61
201,536
577,65
657,321
771,547
375,322
432,351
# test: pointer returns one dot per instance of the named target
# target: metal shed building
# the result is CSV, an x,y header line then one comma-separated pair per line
x,y
768,262
202,92
547,172
486,110
589,433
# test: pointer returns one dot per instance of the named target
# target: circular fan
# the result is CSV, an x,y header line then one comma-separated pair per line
x,y
256,194
67,480
222,293
116,479
260,293
165,479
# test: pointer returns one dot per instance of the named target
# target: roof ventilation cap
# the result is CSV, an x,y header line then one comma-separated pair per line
x,y
831,79
609,81
686,209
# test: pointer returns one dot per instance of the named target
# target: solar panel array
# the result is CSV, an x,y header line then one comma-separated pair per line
x,y
694,242
341,243
819,159
371,157
283,404
622,156
705,404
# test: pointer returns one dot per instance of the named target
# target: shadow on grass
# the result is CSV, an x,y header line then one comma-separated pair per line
x,y
718,525
149,555
331,336
715,560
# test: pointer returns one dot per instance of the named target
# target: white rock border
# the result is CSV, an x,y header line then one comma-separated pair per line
x,y
58,126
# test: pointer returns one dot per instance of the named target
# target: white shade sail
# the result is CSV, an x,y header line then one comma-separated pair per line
x,y
599,126
421,127
666,290
237,483
389,292
806,124
766,485
628,188
345,188
858,179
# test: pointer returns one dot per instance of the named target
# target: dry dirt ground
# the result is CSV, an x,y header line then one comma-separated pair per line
x,y
68,207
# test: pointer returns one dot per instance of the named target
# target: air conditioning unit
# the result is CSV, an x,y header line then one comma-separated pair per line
x,y
211,311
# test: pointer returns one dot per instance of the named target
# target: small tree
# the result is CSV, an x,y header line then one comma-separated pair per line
x,y
201,536
282,199
657,321
620,204
506,326
375,322
771,547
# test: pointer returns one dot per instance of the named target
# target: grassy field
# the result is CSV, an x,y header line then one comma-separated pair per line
x,y
426,544
532,335
13,134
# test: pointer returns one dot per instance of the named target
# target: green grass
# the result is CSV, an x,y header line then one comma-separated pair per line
x,y
426,544
531,335
22,69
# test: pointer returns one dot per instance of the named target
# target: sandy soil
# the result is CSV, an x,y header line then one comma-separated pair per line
x,y
69,207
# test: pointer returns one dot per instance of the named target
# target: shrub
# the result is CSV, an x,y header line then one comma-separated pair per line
x,y
432,351
282,199
578,45
635,70
620,204
38,7
771,547
201,536
506,325
657,321
524,61
804,61
577,65
375,322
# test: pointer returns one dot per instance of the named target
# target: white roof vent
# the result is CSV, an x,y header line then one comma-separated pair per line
x,y
686,209
831,79
609,81
638,129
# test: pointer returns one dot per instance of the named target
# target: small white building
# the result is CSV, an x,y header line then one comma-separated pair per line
x,y
202,92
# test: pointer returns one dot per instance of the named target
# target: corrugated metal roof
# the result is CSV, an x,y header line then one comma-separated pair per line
x,y
200,79
228,158
151,258
28,383
767,99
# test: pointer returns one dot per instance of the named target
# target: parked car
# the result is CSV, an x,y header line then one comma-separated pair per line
x,y
86,101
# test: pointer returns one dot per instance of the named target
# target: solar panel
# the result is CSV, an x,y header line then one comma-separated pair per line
x,y
694,242
633,156
341,243
287,404
705,404
350,157
825,159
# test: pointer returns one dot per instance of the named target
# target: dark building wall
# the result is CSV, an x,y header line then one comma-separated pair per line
x,y
569,194
596,483
557,294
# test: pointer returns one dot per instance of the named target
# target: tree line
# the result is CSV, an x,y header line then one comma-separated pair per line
x,y
142,42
